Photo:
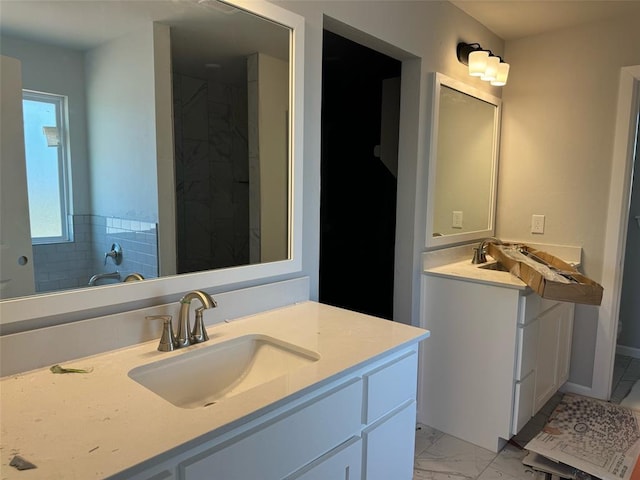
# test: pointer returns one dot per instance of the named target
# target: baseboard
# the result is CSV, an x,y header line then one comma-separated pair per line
x,y
579,390
628,351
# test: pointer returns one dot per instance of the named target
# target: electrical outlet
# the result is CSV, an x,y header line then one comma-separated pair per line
x,y
537,224
457,219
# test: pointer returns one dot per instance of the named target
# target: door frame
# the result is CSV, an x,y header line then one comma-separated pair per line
x,y
412,174
616,230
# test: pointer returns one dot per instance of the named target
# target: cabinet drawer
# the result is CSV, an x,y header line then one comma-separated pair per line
x,y
533,306
527,350
523,402
389,386
285,444
342,463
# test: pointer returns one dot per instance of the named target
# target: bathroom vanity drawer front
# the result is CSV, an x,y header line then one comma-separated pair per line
x,y
342,463
527,350
523,402
285,444
389,386
533,306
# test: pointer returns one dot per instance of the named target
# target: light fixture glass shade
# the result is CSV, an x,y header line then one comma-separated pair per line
x,y
478,62
491,70
501,75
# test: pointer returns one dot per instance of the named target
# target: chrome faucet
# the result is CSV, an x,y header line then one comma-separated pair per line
x,y
100,276
185,335
480,252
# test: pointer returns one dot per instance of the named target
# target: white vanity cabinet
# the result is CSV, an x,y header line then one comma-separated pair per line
x,y
360,425
555,325
497,355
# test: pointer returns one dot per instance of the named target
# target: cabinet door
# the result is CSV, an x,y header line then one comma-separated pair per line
x,y
565,336
547,357
390,385
389,446
341,463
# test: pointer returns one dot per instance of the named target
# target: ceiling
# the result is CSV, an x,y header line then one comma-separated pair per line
x,y
207,36
513,19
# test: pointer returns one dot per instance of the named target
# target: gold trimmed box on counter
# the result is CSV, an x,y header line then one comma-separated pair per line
x,y
577,289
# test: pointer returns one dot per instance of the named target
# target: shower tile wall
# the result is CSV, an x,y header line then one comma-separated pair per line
x,y
139,242
68,265
212,178
61,266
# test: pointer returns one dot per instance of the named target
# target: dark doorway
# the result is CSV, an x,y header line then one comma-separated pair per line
x,y
360,92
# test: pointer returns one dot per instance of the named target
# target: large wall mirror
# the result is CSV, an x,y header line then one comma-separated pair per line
x,y
160,138
463,163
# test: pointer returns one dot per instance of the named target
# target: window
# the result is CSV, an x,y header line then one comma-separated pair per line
x,y
46,149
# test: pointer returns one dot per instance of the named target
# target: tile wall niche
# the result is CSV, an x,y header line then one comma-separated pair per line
x,y
68,265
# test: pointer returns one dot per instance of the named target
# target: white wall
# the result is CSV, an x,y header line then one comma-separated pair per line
x,y
557,142
51,69
273,105
424,36
122,132
268,108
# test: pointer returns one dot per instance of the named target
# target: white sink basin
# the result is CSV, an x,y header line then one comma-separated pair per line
x,y
204,376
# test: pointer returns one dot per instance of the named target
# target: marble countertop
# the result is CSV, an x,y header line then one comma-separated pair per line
x,y
455,263
93,425
465,270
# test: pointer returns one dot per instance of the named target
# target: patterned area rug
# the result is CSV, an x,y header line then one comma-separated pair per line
x,y
596,437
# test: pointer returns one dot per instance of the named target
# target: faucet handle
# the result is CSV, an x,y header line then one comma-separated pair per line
x,y
115,254
479,255
199,333
168,339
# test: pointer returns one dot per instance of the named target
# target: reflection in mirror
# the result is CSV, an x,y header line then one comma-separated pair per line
x,y
162,127
463,163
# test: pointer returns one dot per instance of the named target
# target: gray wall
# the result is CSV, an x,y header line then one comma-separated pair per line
x,y
557,144
557,131
121,119
50,69
424,36
630,302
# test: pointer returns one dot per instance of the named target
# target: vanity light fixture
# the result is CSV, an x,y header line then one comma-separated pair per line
x,y
483,63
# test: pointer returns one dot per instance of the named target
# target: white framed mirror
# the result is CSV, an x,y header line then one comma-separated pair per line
x,y
258,28
463,163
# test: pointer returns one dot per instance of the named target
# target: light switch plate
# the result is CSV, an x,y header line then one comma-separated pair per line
x,y
537,224
457,219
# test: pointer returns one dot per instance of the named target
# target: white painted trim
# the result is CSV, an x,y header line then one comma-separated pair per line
x,y
577,389
440,80
628,351
616,229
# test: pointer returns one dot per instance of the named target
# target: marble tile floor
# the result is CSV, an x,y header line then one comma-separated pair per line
x,y
439,456
626,371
